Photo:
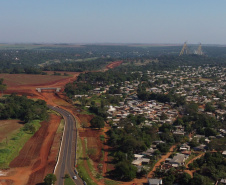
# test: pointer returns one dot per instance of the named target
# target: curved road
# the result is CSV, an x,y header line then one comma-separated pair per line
x,y
66,161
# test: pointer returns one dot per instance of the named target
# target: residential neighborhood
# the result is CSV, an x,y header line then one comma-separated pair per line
x,y
203,86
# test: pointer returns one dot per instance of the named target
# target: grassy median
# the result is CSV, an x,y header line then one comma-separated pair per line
x,y
81,167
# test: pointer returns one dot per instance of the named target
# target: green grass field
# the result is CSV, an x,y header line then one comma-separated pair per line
x,y
11,147
110,182
81,168
68,181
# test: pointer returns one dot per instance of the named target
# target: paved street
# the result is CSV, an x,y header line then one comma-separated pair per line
x,y
65,163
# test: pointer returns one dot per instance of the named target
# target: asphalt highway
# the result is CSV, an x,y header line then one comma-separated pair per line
x,y
66,161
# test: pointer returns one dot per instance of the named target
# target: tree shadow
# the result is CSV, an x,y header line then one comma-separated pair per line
x,y
83,158
21,122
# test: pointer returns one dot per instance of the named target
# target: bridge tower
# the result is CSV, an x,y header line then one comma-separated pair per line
x,y
184,50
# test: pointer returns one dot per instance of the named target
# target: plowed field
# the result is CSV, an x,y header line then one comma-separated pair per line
x,y
13,80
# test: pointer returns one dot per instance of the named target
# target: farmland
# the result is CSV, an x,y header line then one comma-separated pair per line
x,y
26,79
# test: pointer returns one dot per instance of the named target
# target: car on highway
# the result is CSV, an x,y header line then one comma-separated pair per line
x,y
74,177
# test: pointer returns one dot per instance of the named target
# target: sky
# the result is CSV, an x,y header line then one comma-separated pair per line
x,y
113,21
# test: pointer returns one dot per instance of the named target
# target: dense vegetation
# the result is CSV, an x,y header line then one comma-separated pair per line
x,y
163,98
3,86
211,165
20,107
93,57
94,64
127,140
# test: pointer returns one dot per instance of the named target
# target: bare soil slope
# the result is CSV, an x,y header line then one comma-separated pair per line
x,y
8,127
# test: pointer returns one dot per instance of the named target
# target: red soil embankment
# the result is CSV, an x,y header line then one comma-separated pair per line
x,y
114,64
36,157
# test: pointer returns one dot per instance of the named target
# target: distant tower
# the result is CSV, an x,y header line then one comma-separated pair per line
x,y
184,50
199,50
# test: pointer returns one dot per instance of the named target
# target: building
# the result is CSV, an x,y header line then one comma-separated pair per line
x,y
154,181
178,160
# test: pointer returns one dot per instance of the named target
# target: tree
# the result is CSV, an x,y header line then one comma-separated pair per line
x,y
50,179
3,87
179,121
97,122
163,116
210,132
209,107
66,176
191,109
194,142
163,147
221,105
184,179
168,180
125,170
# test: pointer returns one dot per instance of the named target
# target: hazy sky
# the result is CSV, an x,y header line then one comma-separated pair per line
x,y
113,21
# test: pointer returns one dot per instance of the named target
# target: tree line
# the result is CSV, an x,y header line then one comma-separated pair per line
x,y
20,107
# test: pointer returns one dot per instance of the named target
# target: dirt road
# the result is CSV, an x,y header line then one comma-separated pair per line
x,y
191,172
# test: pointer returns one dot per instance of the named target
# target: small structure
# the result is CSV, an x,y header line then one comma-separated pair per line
x,y
80,95
140,160
154,181
185,147
48,88
223,181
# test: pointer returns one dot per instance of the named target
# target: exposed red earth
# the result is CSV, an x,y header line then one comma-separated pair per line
x,y
114,64
38,156
191,172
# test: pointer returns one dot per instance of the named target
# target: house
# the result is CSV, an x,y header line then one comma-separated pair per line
x,y
140,160
178,160
185,147
200,148
149,152
137,162
145,161
223,181
154,181
80,95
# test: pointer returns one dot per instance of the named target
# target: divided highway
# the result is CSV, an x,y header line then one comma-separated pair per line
x,y
66,160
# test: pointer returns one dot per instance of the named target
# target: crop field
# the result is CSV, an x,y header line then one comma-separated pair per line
x,y
13,80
